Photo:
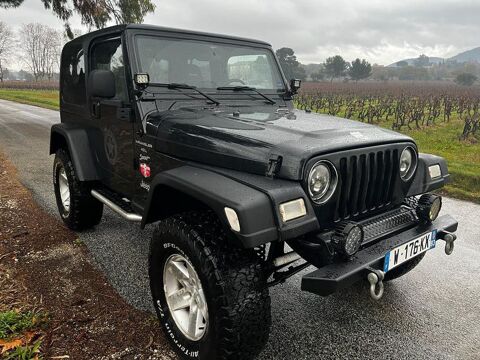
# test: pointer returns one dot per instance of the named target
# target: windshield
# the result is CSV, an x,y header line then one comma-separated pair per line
x,y
207,65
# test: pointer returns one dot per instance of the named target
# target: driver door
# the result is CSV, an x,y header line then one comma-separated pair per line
x,y
113,119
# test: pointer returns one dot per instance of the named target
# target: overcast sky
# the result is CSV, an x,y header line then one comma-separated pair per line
x,y
382,31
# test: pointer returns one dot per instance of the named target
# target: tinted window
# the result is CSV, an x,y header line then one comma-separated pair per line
x,y
73,75
108,55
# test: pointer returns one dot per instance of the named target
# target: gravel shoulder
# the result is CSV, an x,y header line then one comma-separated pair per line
x,y
44,265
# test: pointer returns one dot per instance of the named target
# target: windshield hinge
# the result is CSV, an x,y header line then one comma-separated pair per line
x,y
274,165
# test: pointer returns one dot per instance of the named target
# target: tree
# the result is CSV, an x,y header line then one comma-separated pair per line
x,y
317,76
94,13
359,70
402,63
25,75
290,65
422,61
6,45
335,67
41,46
413,73
466,79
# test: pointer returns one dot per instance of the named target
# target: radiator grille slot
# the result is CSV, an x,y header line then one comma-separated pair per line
x,y
366,182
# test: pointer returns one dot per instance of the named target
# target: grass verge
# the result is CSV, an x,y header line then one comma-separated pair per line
x,y
44,98
14,323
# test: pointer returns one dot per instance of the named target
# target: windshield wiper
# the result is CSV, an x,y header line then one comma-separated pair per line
x,y
188,87
247,88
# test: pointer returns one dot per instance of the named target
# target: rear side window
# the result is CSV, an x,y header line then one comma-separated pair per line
x,y
73,75
107,55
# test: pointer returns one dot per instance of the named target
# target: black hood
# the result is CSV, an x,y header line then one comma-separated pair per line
x,y
245,139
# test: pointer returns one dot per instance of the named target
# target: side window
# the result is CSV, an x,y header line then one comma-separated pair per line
x,y
73,75
108,55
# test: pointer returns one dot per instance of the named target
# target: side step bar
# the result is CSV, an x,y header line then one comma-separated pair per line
x,y
124,214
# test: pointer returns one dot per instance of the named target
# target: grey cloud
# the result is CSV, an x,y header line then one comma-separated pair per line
x,y
382,31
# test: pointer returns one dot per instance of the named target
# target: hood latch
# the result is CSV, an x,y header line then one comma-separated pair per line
x,y
274,165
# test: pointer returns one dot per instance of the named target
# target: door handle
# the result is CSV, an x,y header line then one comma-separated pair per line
x,y
96,109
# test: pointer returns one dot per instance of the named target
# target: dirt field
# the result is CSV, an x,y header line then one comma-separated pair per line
x,y
46,275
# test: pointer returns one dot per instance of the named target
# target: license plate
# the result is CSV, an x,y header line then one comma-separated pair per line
x,y
409,250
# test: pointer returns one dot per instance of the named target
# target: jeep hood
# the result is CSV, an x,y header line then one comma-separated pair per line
x,y
246,139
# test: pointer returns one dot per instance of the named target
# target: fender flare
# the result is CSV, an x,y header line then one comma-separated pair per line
x,y
422,181
253,207
77,143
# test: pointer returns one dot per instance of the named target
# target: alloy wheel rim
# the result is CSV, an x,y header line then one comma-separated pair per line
x,y
64,189
185,297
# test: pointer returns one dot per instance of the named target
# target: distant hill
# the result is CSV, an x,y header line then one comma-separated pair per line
x,y
433,60
472,55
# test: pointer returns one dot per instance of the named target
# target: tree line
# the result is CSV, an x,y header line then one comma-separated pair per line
x,y
37,47
333,67
336,67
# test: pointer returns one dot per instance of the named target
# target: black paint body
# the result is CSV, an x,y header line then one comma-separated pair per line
x,y
246,153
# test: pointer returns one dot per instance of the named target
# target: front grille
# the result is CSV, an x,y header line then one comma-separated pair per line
x,y
366,182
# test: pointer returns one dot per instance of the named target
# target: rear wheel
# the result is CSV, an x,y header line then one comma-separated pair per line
x,y
401,270
209,295
78,208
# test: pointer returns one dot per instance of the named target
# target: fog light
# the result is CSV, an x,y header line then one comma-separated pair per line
x,y
348,237
292,210
232,218
429,207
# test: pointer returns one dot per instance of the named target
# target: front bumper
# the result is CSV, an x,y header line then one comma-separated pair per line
x,y
336,276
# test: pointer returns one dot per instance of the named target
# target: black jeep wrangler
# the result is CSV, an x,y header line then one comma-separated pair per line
x,y
197,133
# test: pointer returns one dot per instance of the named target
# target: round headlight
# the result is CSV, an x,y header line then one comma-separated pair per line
x,y
408,163
322,181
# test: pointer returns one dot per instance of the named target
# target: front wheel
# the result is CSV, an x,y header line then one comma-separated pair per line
x,y
209,295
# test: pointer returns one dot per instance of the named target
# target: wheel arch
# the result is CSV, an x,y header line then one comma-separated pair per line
x,y
76,142
186,188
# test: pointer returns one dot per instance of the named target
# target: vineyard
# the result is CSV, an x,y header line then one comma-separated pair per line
x,y
398,105
443,118
29,85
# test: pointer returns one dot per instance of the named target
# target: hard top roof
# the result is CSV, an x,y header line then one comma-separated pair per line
x,y
119,28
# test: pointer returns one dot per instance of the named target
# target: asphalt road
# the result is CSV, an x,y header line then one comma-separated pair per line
x,y
431,313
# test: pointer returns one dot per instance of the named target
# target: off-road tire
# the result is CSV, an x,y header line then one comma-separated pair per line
x,y
233,282
85,211
401,270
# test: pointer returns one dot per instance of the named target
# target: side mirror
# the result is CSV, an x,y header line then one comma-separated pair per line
x,y
101,83
295,85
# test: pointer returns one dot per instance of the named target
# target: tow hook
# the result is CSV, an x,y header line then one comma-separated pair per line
x,y
449,239
375,278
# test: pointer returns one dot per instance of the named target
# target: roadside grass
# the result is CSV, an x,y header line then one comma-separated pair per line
x,y
44,98
14,323
463,157
21,325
